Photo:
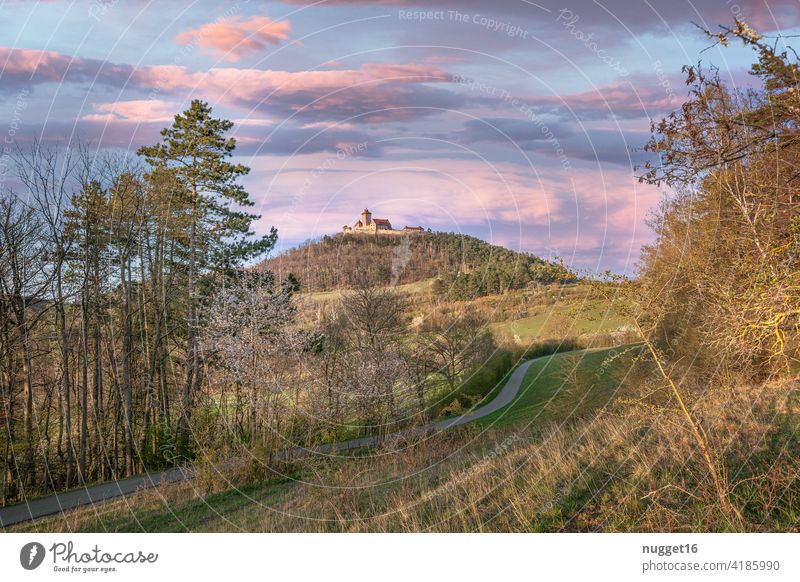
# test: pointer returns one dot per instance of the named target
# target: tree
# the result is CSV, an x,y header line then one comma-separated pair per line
x,y
87,221
718,292
249,334
125,205
195,150
374,314
332,345
418,364
24,284
726,259
376,319
457,344
103,272
48,176
162,253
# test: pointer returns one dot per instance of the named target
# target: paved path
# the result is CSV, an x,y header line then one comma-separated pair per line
x,y
61,502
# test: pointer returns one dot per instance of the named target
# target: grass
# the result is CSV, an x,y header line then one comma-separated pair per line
x,y
562,319
416,287
176,512
634,468
564,386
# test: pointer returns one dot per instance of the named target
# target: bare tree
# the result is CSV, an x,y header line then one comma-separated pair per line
x,y
376,320
24,286
48,175
457,343
249,336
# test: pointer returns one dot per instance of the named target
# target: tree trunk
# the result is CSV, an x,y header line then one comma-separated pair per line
x,y
192,361
30,467
126,365
84,386
66,385
97,378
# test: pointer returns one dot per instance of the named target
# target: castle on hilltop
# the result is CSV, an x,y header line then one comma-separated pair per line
x,y
369,225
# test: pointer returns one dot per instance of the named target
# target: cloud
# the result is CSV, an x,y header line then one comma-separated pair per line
x,y
131,124
768,15
26,67
634,99
522,132
374,93
612,146
557,139
136,111
95,132
291,140
237,37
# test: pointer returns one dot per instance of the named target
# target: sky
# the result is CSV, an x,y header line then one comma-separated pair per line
x,y
516,121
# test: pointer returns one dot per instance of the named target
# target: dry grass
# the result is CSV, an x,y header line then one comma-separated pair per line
x,y
635,468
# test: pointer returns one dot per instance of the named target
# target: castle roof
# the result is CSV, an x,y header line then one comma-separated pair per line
x,y
359,223
381,221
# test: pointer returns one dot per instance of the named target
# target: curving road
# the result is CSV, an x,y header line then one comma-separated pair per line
x,y
61,502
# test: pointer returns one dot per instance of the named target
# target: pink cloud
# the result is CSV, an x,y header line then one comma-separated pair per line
x,y
327,125
374,92
766,15
245,83
136,111
236,37
48,65
648,97
25,66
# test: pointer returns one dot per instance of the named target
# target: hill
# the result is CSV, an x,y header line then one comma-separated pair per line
x,y
463,266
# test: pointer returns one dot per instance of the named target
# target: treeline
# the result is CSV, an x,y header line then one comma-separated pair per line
x,y
720,288
465,266
106,262
719,291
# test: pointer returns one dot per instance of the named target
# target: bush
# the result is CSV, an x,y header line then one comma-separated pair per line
x,y
159,447
482,380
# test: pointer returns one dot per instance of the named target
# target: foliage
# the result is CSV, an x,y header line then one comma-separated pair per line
x,y
720,285
466,267
249,340
104,270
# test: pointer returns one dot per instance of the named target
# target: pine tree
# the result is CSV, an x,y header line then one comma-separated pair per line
x,y
196,150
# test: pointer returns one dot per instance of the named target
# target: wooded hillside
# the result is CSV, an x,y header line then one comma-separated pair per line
x,y
466,266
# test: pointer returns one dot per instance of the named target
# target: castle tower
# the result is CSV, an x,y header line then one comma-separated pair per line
x,y
366,217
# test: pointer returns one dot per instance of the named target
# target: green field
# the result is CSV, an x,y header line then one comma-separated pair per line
x,y
423,286
565,386
562,319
